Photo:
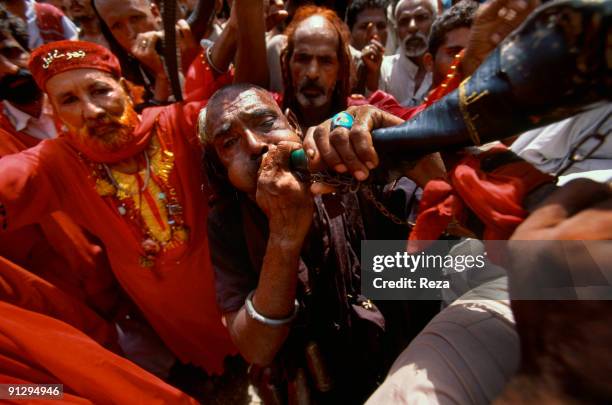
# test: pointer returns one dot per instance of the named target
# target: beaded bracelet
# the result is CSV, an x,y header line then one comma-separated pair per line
x,y
248,303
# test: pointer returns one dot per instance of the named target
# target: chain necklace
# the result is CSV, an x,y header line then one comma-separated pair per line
x,y
348,184
118,187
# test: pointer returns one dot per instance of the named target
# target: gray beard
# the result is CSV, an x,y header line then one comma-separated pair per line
x,y
412,51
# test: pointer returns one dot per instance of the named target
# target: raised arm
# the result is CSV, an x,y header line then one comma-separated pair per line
x,y
251,60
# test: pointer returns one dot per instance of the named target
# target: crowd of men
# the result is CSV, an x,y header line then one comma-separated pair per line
x,y
157,246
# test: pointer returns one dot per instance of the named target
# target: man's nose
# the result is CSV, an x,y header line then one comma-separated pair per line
x,y
92,111
372,31
255,146
312,71
412,27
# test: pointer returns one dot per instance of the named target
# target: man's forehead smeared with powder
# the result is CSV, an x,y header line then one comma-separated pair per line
x,y
237,100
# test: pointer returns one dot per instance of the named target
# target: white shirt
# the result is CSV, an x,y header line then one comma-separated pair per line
x,y
35,40
549,148
397,77
42,127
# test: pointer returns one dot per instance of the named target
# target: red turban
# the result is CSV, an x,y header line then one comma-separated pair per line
x,y
56,57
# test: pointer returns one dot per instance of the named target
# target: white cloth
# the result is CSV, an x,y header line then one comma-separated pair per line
x,y
549,148
465,355
601,176
34,39
397,77
42,127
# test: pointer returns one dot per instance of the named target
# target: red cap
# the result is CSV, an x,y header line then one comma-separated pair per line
x,y
56,57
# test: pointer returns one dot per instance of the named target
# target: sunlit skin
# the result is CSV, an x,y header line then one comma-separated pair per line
x,y
128,18
455,41
95,108
314,67
370,24
242,128
414,19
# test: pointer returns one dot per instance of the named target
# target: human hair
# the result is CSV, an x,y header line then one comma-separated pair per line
x,y
345,71
358,6
459,15
432,3
14,26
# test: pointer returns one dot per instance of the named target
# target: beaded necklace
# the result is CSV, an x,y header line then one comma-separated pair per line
x,y
149,204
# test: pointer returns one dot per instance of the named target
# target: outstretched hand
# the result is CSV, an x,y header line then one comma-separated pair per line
x,y
345,150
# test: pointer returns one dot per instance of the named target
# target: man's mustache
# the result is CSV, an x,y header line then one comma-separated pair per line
x,y
311,85
102,126
419,36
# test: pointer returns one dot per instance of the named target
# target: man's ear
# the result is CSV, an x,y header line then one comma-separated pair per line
x,y
128,89
293,121
428,61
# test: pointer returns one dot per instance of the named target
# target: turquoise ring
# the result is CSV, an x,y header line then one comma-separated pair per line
x,y
342,119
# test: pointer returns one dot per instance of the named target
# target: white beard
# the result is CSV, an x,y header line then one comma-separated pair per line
x,y
412,51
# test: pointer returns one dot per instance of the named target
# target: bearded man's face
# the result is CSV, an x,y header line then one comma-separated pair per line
x,y
95,108
414,19
314,64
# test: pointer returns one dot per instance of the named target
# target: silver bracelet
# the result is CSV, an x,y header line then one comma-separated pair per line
x,y
210,62
248,303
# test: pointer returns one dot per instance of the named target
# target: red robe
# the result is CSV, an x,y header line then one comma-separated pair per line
x,y
55,248
177,295
33,350
48,337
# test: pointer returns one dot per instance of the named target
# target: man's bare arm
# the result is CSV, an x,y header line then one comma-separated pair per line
x,y
289,207
251,61
273,298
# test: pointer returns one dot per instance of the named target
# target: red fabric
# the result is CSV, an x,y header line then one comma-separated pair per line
x,y
55,248
177,295
49,22
496,197
386,102
200,81
26,290
38,349
437,208
50,59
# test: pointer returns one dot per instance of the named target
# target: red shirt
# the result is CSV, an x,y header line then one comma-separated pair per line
x,y
176,294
